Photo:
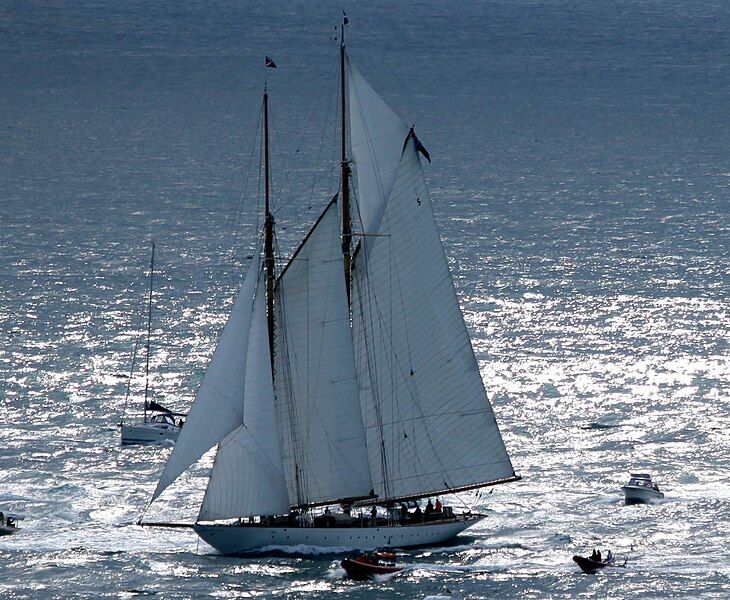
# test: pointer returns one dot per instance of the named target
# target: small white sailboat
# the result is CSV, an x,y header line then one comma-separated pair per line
x,y
158,423
153,428
9,523
641,489
348,381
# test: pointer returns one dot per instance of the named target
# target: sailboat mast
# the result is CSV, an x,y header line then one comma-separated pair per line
x,y
149,333
268,235
345,169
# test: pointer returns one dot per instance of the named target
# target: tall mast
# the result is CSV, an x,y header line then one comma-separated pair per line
x,y
345,168
268,236
149,333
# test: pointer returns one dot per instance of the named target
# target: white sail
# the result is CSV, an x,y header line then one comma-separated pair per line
x,y
316,386
429,424
376,141
247,478
218,406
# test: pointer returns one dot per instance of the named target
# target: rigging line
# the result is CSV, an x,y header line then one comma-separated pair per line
x,y
300,483
373,377
265,453
393,395
331,79
336,274
236,220
138,318
320,360
285,170
439,414
335,159
149,333
310,118
129,380
412,393
290,408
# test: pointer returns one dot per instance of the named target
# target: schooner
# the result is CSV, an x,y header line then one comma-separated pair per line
x,y
346,387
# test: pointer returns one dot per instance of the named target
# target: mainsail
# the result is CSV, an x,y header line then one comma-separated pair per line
x,y
316,386
429,425
218,406
248,473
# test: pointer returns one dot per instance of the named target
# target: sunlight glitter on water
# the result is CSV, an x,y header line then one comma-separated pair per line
x,y
580,184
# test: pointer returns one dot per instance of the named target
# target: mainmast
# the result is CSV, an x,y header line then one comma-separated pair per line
x,y
345,169
149,333
268,235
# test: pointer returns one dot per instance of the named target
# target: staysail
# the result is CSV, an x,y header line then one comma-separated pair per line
x,y
316,386
218,406
247,478
429,425
376,141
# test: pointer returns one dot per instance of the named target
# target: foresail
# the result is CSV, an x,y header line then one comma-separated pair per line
x,y
316,387
247,478
376,140
429,425
218,406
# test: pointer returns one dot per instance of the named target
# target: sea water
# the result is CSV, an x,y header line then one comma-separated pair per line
x,y
580,179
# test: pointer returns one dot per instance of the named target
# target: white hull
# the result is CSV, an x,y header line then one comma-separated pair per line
x,y
638,495
233,539
146,433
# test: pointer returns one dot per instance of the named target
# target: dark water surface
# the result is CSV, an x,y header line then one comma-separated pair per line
x,y
581,180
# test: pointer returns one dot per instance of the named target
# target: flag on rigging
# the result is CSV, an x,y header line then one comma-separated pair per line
x,y
270,63
419,146
345,20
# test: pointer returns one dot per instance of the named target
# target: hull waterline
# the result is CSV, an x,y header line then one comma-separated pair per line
x,y
235,539
638,495
591,567
363,571
146,434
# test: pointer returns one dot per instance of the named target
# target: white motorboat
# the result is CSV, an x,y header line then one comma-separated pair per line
x,y
641,490
158,422
349,379
8,523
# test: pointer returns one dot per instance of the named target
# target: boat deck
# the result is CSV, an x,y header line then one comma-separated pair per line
x,y
327,521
